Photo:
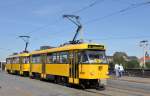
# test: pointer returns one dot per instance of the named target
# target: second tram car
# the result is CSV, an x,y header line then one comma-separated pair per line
x,y
18,64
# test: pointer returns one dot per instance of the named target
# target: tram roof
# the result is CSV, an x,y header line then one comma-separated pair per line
x,y
19,55
71,47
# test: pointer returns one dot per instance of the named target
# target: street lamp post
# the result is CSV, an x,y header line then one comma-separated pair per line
x,y
144,44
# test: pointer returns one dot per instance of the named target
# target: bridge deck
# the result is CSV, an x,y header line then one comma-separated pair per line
x,y
12,85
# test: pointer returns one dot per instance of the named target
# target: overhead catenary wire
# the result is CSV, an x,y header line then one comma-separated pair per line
x,y
42,27
118,12
109,15
135,5
93,3
119,38
126,2
82,9
4,49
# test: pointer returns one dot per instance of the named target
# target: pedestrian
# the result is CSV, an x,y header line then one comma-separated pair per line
x,y
116,70
121,70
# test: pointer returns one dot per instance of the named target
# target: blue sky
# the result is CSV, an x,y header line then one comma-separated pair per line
x,y
42,20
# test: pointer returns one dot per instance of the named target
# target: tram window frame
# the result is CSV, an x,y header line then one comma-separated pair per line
x,y
8,61
56,58
37,60
53,58
49,60
61,54
25,60
81,58
12,60
15,60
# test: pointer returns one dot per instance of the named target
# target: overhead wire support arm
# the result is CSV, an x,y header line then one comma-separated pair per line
x,y
74,19
26,40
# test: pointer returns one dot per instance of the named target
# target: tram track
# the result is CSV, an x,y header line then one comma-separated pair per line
x,y
97,92
128,90
122,90
144,82
136,81
119,91
112,91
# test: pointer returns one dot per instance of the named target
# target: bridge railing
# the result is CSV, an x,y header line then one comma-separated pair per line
x,y
134,72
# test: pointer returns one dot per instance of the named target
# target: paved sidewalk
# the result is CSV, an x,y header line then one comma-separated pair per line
x,y
133,79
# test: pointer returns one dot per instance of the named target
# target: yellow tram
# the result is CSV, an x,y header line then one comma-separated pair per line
x,y
83,64
18,64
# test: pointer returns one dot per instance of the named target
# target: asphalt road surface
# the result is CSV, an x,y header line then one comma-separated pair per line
x,y
12,85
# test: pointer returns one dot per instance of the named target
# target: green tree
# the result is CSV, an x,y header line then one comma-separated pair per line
x,y
132,64
119,58
147,64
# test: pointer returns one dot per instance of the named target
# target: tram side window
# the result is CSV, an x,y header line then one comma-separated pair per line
x,y
25,60
15,60
58,57
54,58
8,61
12,60
64,57
84,58
36,59
50,58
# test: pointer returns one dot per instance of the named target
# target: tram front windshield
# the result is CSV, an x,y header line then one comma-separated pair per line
x,y
94,56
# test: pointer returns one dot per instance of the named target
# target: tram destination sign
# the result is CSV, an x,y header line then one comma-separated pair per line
x,y
96,46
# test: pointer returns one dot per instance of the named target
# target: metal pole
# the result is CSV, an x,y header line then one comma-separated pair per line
x,y
1,66
144,58
144,44
143,67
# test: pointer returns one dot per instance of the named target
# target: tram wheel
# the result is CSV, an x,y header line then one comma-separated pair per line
x,y
82,86
101,87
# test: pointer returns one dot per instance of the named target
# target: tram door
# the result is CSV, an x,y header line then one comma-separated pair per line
x,y
73,67
11,64
21,65
43,60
